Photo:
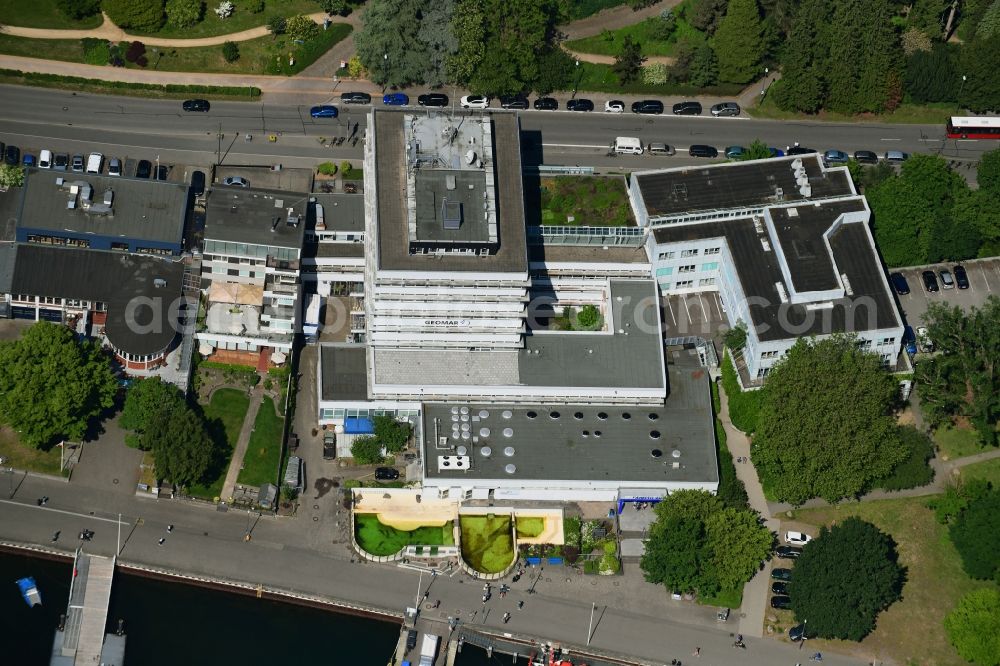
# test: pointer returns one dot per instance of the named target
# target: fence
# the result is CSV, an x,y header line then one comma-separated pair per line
x,y
556,169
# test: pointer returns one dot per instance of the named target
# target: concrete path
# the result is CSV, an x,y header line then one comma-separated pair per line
x,y
328,63
610,60
110,31
236,463
612,19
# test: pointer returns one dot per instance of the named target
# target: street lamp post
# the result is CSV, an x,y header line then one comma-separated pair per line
x,y
385,70
576,84
964,77
763,83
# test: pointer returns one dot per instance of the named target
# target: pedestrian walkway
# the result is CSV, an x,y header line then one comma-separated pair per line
x,y
613,18
610,60
236,463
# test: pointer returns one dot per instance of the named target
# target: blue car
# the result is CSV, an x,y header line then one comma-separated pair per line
x,y
395,99
776,152
28,160
323,111
909,341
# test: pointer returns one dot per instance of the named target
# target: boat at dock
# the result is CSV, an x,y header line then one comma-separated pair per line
x,y
29,591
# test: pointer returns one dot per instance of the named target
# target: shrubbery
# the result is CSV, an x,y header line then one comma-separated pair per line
x,y
95,51
79,9
231,51
915,470
327,169
136,53
141,15
184,13
976,535
744,406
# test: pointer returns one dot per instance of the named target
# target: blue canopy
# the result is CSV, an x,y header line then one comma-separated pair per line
x,y
358,426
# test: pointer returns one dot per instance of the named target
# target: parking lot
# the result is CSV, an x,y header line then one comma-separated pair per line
x,y
698,314
984,281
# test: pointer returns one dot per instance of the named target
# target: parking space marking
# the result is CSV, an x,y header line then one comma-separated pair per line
x,y
686,308
704,311
982,269
670,309
718,308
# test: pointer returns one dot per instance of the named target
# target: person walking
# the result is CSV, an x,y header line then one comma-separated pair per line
x,y
697,652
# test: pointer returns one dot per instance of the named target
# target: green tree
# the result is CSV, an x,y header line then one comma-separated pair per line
x,y
858,74
976,535
389,43
825,427
143,401
184,13
971,13
51,385
930,75
335,7
182,449
628,62
739,42
79,9
589,318
140,15
277,24
914,471
230,51
706,14
301,27
758,150
366,450
988,172
694,504
979,62
674,554
805,60
556,71
974,626
391,434
989,25
11,176
928,16
739,544
845,578
704,70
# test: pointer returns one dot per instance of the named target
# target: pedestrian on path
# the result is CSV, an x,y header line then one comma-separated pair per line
x,y
162,540
697,652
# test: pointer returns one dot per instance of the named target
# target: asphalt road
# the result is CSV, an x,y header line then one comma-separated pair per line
x,y
32,116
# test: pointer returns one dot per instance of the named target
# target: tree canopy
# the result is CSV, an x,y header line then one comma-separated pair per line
x,y
844,579
974,626
976,535
739,42
143,401
825,427
366,450
141,15
391,434
182,449
51,385
628,62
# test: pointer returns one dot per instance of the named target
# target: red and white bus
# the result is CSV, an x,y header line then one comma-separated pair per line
x,y
973,127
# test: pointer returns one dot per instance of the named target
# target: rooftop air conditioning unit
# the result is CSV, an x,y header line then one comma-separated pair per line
x,y
797,163
806,191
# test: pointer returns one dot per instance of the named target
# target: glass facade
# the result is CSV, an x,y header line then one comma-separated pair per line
x,y
250,250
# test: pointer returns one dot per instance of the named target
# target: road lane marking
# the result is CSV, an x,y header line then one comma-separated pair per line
x,y
68,513
890,139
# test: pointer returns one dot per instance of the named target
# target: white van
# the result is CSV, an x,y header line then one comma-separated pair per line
x,y
627,145
95,162
45,159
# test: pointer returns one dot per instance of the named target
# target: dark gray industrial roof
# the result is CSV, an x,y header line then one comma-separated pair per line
x,y
432,191
343,212
8,256
327,250
758,271
390,181
151,210
589,254
115,278
344,372
584,443
801,238
248,216
735,185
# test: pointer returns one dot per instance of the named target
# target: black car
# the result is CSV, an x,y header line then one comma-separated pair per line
x,y
12,155
161,172
687,109
899,283
546,104
433,99
781,574
961,277
930,281
60,161
196,105
579,105
355,98
698,150
329,446
865,157
797,633
386,473
143,169
781,602
800,150
198,183
788,552
779,587
649,106
513,102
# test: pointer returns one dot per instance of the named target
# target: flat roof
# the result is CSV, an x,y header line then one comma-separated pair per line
x,y
255,216
800,235
870,306
342,212
115,278
737,185
345,376
8,257
581,443
141,209
391,192
587,254
330,250
441,189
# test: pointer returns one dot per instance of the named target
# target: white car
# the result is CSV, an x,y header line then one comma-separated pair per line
x,y
475,102
797,538
45,159
614,106
924,340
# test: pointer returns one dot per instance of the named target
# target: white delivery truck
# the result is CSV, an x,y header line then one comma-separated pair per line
x,y
310,322
428,649
627,145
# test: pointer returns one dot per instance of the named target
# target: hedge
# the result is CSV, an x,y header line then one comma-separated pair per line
x,y
744,406
914,471
123,87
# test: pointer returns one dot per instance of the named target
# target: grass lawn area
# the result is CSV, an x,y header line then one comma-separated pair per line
x,y
956,442
42,14
724,599
911,631
260,464
643,32
988,470
600,78
595,201
378,538
225,414
487,543
921,114
21,456
530,526
241,19
70,50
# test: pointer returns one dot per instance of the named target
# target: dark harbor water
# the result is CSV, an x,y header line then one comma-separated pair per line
x,y
171,623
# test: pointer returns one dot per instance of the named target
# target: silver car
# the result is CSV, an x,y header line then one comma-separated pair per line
x,y
236,181
114,167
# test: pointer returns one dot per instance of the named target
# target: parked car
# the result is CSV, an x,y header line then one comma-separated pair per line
x,y
143,169
236,181
834,157
899,283
687,109
161,171
788,552
355,98
60,162
433,99
735,152
77,163
386,473
475,102
776,152
323,111
201,105
797,538
865,157
12,155
28,160
395,99
114,167
581,104
546,104
779,587
896,156
924,340
513,102
725,109
329,446
45,159
909,340
800,150
961,277
648,106
698,150
660,149
197,183
781,602
797,633
614,106
930,281
95,162
947,281
781,574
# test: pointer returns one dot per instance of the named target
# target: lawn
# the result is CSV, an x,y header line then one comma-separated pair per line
x,y
377,538
260,464
487,542
911,630
225,414
644,32
42,14
988,470
530,526
928,114
241,19
593,201
20,456
956,442
70,50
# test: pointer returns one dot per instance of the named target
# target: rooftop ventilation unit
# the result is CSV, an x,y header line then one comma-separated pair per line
x,y
470,157
766,244
510,469
451,215
453,463
758,225
779,194
797,163
109,197
802,180
793,212
486,452
508,451
449,181
782,294
847,284
159,283
806,191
